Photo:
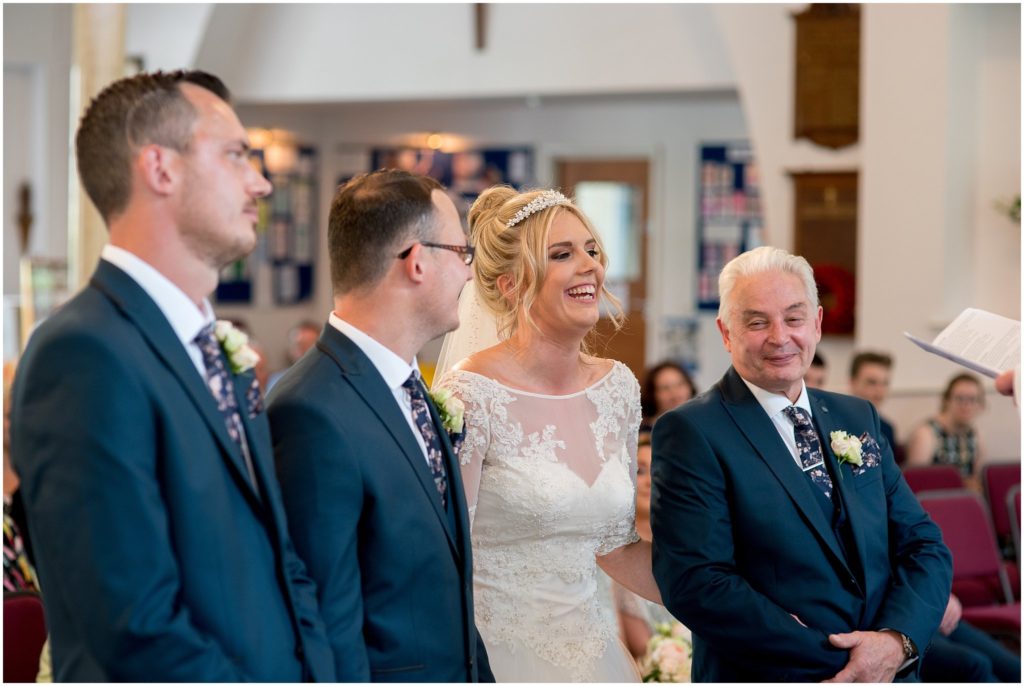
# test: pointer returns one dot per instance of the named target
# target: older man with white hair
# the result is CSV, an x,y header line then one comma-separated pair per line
x,y
784,535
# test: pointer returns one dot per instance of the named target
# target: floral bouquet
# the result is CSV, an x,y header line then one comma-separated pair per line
x,y
669,653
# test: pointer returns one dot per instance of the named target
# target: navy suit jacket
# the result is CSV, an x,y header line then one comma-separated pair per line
x,y
157,559
741,541
393,569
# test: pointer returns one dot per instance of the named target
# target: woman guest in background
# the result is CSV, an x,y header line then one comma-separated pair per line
x,y
638,616
549,456
951,437
667,385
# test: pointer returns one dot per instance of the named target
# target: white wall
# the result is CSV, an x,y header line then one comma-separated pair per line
x,y
359,52
167,37
940,145
37,59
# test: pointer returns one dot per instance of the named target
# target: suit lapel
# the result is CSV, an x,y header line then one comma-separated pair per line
x,y
760,432
456,494
138,307
368,383
826,422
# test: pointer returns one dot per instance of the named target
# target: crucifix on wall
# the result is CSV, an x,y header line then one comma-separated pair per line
x,y
480,24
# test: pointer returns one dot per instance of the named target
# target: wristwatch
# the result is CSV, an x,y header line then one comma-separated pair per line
x,y
909,651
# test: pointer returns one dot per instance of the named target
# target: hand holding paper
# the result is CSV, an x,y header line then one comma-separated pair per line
x,y
982,341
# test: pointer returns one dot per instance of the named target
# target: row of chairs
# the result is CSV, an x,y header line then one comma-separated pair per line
x,y
1000,484
988,586
980,577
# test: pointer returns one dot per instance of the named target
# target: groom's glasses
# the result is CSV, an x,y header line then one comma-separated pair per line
x,y
466,252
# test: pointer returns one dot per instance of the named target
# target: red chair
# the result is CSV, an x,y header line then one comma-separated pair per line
x,y
997,480
1013,505
979,577
24,635
939,477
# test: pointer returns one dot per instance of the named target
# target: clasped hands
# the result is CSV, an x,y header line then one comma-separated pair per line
x,y
875,656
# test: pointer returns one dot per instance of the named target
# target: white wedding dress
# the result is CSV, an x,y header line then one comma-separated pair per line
x,y
550,484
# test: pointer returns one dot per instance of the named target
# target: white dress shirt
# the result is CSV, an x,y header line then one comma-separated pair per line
x,y
393,368
773,405
185,318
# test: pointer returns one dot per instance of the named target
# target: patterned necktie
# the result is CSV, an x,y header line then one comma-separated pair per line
x,y
218,380
421,417
809,447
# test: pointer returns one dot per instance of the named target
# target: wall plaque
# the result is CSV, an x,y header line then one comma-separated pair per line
x,y
827,84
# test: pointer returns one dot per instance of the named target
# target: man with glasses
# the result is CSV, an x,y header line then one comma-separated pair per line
x,y
371,484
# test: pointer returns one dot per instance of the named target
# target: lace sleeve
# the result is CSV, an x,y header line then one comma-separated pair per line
x,y
624,531
477,439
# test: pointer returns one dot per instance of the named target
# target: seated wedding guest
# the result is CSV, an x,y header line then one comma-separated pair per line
x,y
19,574
870,373
301,338
961,653
817,373
137,428
785,536
638,616
951,436
667,385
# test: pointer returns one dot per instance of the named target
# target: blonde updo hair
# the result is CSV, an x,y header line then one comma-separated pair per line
x,y
521,252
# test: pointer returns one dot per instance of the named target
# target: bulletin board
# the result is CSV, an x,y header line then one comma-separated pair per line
x,y
729,219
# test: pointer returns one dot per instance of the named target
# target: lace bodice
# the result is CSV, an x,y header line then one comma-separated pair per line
x,y
550,483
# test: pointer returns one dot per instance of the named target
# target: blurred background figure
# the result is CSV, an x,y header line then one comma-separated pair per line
x,y
301,338
961,653
817,373
951,437
667,385
870,373
19,573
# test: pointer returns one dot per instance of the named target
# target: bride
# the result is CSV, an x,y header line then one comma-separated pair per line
x,y
549,453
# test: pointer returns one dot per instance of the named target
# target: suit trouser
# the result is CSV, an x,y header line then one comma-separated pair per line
x,y
969,655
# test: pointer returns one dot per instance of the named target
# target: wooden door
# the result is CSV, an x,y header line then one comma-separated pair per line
x,y
628,344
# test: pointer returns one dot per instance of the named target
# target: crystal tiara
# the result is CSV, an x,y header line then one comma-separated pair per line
x,y
543,201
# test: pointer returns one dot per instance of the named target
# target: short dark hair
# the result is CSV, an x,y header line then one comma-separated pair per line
x,y
370,216
648,401
129,113
869,357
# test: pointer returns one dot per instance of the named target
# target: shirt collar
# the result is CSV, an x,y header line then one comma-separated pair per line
x,y
774,403
393,368
185,318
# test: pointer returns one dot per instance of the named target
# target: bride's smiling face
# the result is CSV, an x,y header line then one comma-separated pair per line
x,y
568,297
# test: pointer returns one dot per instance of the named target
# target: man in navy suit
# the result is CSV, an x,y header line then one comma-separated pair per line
x,y
144,454
373,492
793,555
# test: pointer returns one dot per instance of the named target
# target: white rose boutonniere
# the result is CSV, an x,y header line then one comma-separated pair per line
x,y
847,448
451,410
235,345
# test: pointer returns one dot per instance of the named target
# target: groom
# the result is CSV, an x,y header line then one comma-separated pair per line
x,y
791,556
373,492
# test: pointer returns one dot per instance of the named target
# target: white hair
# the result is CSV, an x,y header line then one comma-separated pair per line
x,y
760,261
